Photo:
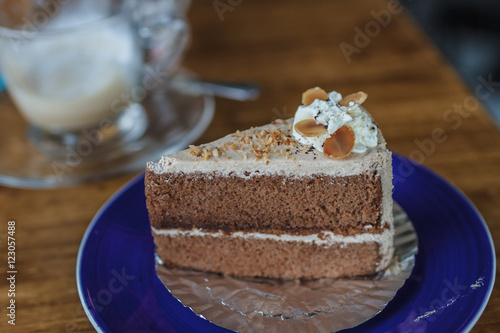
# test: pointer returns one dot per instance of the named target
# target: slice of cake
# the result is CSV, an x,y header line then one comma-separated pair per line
x,y
308,197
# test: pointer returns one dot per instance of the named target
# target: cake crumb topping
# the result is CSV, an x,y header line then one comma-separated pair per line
x,y
261,144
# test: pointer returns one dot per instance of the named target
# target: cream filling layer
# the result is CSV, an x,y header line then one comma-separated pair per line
x,y
325,238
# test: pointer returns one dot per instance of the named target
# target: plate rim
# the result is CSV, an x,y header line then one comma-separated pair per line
x,y
484,225
130,183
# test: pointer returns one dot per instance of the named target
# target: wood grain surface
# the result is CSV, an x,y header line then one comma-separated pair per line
x,y
286,46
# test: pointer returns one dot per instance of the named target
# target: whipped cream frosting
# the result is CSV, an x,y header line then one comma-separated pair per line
x,y
333,116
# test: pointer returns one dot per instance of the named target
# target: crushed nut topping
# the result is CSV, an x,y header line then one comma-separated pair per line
x,y
259,143
195,151
278,122
206,155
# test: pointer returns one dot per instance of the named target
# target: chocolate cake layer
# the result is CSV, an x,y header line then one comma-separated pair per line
x,y
344,205
268,258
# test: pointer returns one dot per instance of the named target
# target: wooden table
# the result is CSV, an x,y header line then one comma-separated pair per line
x,y
287,46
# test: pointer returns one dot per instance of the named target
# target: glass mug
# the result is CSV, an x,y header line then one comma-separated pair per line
x,y
75,67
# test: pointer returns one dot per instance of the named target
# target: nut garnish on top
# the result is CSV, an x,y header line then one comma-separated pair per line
x,y
354,99
338,144
325,122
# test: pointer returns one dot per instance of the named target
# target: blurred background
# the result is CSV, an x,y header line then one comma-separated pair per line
x,y
468,34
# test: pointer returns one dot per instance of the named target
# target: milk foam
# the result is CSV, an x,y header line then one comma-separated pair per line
x,y
75,80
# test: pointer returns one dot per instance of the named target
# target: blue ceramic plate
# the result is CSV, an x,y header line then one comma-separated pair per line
x,y
447,291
